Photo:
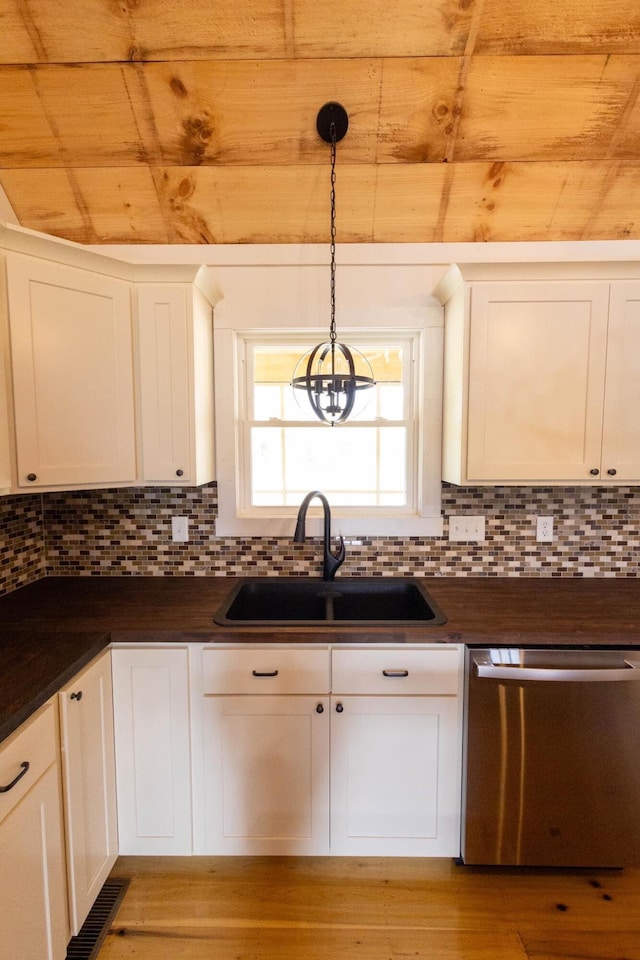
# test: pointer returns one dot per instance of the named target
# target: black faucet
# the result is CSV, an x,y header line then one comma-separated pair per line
x,y
330,562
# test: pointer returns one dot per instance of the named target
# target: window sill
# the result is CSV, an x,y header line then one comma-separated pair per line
x,y
345,526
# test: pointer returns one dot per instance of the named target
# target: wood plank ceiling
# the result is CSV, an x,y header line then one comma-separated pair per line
x,y
154,121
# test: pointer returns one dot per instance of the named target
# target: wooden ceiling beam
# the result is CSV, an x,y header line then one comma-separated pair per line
x,y
92,31
262,112
376,203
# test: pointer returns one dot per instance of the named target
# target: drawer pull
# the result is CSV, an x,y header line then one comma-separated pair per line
x,y
77,696
266,673
25,766
395,673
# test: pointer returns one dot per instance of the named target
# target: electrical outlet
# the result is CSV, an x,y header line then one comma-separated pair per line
x,y
466,528
179,529
544,529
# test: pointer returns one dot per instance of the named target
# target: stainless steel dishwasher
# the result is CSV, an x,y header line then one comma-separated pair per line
x,y
552,758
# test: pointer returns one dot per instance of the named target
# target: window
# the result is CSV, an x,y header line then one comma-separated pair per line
x,y
364,463
380,470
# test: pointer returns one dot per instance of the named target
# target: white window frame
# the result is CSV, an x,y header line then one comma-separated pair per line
x,y
234,325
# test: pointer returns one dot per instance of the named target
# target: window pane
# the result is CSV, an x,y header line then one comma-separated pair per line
x,y
267,461
393,453
353,466
274,366
267,401
391,401
334,458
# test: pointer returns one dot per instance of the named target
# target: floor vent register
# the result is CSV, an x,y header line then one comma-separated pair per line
x,y
95,928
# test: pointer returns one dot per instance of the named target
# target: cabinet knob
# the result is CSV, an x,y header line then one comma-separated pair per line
x,y
320,708
32,477
179,473
594,472
612,472
339,708
77,696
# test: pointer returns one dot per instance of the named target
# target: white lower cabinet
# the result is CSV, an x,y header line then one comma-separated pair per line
x,y
282,768
266,777
88,768
33,895
396,751
394,782
261,748
153,749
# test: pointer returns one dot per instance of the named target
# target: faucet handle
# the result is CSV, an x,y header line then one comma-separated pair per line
x,y
334,560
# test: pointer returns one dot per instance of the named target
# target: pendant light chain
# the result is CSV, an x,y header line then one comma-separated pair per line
x,y
332,326
329,377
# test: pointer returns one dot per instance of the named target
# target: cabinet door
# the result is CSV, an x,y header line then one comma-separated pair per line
x,y
86,717
621,435
153,768
175,370
33,903
536,373
395,783
71,344
163,363
266,775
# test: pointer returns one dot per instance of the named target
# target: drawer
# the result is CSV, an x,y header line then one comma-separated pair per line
x,y
252,670
35,743
396,672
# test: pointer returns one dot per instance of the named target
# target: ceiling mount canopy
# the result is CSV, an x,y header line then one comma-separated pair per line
x,y
330,377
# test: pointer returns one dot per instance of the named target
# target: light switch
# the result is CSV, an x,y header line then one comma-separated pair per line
x,y
466,528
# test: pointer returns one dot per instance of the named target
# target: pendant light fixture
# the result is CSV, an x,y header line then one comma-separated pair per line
x,y
330,377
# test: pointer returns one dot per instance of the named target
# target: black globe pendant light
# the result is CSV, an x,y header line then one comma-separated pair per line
x,y
331,377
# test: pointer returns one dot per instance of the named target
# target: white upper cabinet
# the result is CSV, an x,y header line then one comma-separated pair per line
x,y
541,375
174,328
72,364
106,369
621,433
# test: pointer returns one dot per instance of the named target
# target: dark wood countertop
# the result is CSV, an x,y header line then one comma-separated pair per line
x,y
479,610
50,629
34,666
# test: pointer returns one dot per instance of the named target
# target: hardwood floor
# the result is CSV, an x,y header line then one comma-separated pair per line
x,y
307,908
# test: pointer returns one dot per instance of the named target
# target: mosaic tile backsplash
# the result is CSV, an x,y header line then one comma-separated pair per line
x,y
22,558
128,533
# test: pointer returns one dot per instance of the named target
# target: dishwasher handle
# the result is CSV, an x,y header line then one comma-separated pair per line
x,y
487,670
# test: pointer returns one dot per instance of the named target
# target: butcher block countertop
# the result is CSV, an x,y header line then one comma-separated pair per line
x,y
34,666
479,610
50,629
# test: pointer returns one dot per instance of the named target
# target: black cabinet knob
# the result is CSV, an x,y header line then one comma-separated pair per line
x,y
612,472
32,477
77,696
594,472
179,473
320,708
339,708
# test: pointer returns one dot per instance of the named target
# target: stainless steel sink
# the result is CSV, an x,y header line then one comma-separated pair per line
x,y
296,601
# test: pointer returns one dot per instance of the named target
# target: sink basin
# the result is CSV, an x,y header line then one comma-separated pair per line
x,y
295,601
